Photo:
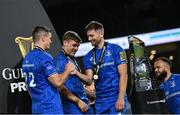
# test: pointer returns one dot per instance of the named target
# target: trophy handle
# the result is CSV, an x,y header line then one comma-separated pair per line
x,y
25,44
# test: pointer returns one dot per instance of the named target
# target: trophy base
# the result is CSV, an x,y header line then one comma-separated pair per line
x,y
148,102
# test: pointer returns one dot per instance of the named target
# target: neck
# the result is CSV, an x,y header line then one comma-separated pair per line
x,y
100,45
168,76
40,46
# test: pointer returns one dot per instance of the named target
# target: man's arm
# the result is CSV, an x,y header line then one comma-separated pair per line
x,y
67,94
90,91
89,74
122,69
57,80
84,78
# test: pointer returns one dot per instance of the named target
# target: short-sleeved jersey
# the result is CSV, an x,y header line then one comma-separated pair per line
x,y
107,84
37,66
172,93
73,84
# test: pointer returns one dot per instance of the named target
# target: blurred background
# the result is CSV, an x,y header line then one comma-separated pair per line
x,y
120,18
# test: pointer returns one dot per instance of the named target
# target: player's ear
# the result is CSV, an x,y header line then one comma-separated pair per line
x,y
43,38
101,33
167,68
65,42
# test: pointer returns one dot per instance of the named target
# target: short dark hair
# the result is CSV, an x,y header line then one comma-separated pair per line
x,y
94,25
71,35
39,31
164,59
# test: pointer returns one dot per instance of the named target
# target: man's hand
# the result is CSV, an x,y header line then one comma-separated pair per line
x,y
70,67
74,72
82,105
119,104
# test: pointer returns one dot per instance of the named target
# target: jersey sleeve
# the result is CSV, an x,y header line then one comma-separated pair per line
x,y
49,66
120,55
87,61
60,64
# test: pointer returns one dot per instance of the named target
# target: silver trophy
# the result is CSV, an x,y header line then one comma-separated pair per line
x,y
139,65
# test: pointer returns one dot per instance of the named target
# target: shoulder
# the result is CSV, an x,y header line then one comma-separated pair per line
x,y
115,49
46,55
38,55
60,56
88,54
88,57
176,76
114,46
43,56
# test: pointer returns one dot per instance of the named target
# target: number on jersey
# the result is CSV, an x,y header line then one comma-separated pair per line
x,y
31,77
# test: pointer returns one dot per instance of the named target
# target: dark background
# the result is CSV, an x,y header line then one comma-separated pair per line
x,y
17,19
120,18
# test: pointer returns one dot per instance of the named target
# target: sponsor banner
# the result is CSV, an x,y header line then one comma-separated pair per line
x,y
18,18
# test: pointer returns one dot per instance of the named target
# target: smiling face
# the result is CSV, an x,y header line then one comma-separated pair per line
x,y
71,47
95,36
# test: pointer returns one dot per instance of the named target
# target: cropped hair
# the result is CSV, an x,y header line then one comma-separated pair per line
x,y
165,60
71,35
39,31
94,25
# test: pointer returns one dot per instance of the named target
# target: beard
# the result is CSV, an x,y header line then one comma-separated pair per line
x,y
95,42
161,76
47,49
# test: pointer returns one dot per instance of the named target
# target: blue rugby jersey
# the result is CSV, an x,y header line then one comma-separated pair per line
x,y
37,66
172,93
107,84
73,84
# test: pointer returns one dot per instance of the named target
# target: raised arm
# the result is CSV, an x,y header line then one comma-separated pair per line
x,y
58,79
84,78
